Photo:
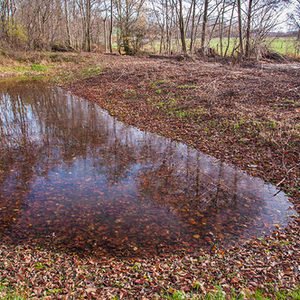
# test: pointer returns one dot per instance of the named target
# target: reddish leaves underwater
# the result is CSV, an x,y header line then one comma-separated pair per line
x,y
75,179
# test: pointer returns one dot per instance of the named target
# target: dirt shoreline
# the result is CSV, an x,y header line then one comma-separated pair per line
x,y
246,116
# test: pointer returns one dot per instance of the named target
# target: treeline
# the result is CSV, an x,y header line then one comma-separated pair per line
x,y
165,26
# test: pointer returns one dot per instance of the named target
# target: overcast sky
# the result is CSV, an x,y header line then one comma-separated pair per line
x,y
289,8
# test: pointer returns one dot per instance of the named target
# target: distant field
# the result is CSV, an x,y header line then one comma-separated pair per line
x,y
286,46
281,45
215,44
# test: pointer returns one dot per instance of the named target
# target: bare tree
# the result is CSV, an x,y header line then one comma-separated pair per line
x,y
181,26
239,9
193,25
86,12
203,35
111,26
249,17
128,15
295,18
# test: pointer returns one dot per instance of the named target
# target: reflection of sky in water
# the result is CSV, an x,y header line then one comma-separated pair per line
x,y
74,178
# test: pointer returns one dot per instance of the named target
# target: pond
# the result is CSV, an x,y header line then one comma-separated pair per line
x,y
75,179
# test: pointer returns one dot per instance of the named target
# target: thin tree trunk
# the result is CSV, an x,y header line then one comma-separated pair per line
x,y
181,28
111,26
161,41
229,29
196,28
193,27
221,26
167,28
249,17
203,35
88,24
67,23
240,26
213,29
104,34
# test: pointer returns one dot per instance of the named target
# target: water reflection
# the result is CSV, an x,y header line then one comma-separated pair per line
x,y
74,178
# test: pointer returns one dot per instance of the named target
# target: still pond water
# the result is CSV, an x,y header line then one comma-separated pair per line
x,y
75,179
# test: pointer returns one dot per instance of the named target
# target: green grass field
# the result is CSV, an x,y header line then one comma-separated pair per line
x,y
285,46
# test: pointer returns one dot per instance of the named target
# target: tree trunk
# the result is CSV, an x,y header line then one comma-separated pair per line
x,y
88,26
203,35
111,26
104,34
161,41
167,28
67,23
193,27
249,18
221,26
181,28
240,26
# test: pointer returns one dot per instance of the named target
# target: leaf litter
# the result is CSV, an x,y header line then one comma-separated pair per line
x,y
269,264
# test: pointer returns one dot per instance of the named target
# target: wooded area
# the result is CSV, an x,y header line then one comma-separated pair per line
x,y
166,26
